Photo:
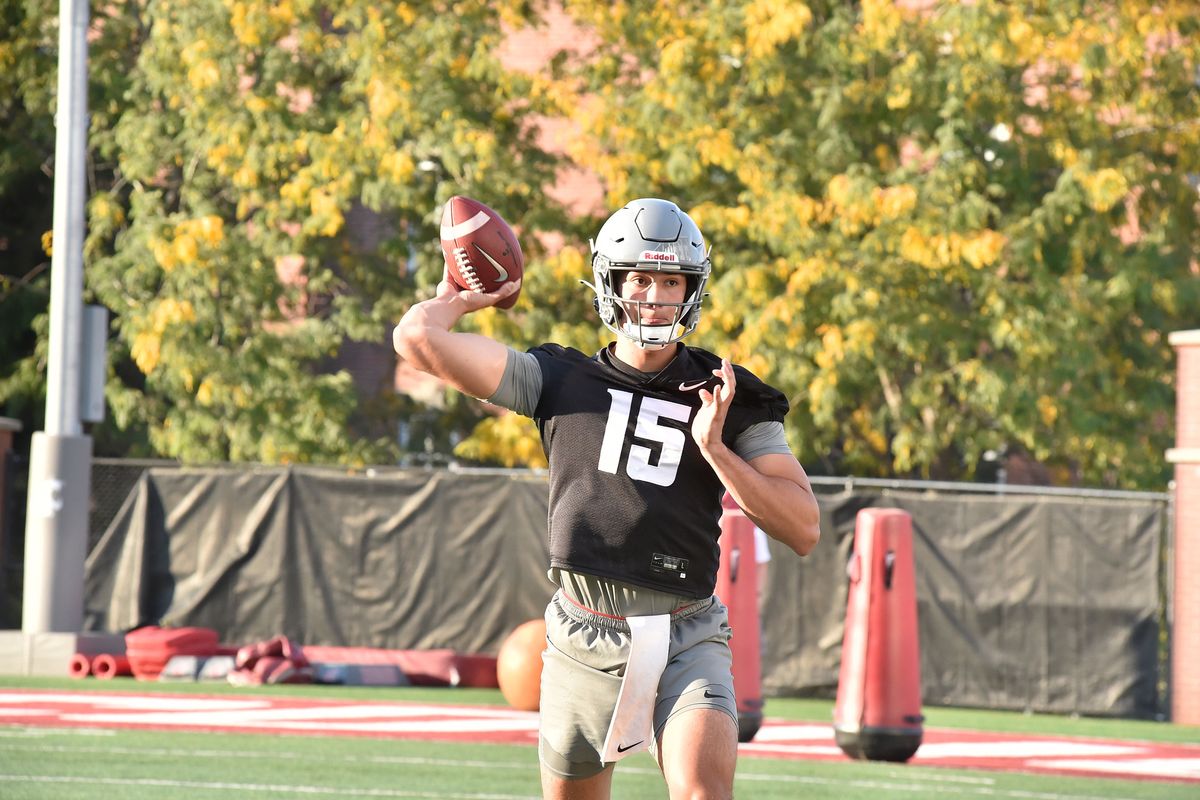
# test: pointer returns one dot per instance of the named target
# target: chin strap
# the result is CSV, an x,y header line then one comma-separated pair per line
x,y
649,335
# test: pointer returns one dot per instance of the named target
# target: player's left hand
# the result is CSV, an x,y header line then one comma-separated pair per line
x,y
709,421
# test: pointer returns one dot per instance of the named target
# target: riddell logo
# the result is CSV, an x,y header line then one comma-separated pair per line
x,y
655,255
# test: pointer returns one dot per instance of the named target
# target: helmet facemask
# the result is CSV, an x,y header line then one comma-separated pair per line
x,y
655,236
624,316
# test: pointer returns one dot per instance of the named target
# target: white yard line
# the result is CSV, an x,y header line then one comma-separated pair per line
x,y
922,788
1026,749
1182,768
286,789
262,755
792,733
133,701
925,783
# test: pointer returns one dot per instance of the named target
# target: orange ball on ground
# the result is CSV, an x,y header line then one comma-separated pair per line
x,y
519,665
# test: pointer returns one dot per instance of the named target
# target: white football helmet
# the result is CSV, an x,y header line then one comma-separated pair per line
x,y
650,235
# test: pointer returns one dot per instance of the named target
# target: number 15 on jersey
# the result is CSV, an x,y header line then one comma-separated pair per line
x,y
671,440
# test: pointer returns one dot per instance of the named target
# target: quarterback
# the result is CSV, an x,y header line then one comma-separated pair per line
x,y
643,439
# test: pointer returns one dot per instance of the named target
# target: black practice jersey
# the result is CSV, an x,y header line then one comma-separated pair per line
x,y
631,496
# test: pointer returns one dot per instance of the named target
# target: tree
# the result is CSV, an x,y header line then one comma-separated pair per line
x,y
279,169
26,198
941,228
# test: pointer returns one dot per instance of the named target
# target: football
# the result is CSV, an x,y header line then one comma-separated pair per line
x,y
482,252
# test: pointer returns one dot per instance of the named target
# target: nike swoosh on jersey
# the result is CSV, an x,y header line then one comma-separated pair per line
x,y
502,273
623,748
691,387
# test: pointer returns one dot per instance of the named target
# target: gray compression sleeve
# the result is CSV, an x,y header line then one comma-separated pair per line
x,y
760,439
521,385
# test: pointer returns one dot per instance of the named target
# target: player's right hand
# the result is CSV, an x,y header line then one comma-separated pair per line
x,y
470,301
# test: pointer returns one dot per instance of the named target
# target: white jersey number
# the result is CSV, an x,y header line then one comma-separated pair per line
x,y
650,411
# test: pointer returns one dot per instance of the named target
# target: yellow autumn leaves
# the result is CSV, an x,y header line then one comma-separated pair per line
x,y
147,344
933,250
255,23
1104,188
187,244
385,98
937,251
770,23
185,241
854,206
509,439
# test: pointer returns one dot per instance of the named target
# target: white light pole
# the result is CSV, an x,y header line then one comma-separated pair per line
x,y
56,527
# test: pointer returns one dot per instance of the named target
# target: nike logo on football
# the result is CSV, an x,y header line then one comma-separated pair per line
x,y
501,272
623,748
691,387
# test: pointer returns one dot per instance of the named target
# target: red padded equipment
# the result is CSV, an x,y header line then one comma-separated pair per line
x,y
877,715
107,666
149,649
80,666
737,586
277,660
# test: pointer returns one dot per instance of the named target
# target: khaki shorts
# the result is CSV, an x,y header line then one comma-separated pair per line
x,y
583,665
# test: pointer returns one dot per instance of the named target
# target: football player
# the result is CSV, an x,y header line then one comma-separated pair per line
x,y
643,438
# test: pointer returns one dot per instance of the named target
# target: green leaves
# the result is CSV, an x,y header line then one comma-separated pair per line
x,y
939,228
281,168
930,227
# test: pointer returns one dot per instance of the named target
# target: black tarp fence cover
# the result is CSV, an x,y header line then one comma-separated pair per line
x,y
1046,603
1023,602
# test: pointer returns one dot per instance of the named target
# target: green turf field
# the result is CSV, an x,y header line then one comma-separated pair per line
x,y
90,763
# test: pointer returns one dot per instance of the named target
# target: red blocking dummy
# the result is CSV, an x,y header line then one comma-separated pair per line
x,y
737,586
878,711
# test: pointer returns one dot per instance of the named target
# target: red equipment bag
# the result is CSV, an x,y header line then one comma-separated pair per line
x,y
878,711
737,586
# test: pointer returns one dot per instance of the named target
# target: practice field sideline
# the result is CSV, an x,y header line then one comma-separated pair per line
x,y
778,739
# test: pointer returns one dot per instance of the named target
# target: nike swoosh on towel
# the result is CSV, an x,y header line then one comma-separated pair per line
x,y
623,748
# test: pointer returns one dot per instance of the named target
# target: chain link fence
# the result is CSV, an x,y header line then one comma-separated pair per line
x,y
112,481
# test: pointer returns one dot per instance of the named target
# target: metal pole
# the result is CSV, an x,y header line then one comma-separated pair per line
x,y
56,529
70,188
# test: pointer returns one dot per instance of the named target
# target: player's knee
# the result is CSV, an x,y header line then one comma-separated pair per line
x,y
698,752
699,787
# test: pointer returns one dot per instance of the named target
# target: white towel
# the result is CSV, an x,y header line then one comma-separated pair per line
x,y
632,726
